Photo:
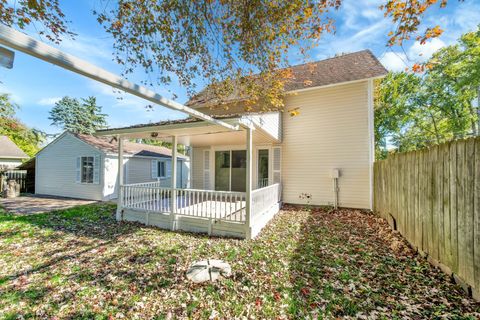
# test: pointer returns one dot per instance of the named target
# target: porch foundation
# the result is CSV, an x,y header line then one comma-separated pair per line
x,y
188,224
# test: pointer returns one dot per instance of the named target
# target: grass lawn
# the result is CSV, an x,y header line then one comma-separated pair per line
x,y
80,263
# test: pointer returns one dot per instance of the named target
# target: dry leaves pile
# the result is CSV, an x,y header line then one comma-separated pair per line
x,y
80,263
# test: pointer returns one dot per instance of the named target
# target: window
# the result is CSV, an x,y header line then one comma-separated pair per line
x,y
87,164
161,169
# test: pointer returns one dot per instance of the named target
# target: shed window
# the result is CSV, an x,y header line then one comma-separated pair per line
x,y
87,169
162,169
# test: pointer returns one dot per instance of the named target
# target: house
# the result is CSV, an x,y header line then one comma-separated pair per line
x,y
245,164
84,166
11,156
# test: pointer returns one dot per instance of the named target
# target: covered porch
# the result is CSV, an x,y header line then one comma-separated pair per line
x,y
239,189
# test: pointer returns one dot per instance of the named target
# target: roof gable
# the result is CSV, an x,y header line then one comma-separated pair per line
x,y
8,149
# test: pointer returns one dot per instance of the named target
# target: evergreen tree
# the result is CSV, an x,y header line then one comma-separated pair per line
x,y
78,116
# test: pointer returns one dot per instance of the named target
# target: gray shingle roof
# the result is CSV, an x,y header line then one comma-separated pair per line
x,y
8,149
110,145
348,67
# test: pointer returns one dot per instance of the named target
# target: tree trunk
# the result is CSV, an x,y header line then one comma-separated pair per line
x,y
437,136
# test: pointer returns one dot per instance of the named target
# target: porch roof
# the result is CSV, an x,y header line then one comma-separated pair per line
x,y
195,132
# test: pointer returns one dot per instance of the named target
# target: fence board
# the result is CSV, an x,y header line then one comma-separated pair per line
x,y
433,195
469,200
453,207
447,238
436,195
461,203
476,224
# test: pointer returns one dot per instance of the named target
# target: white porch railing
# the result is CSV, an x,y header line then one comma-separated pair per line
x,y
146,196
218,205
214,205
263,199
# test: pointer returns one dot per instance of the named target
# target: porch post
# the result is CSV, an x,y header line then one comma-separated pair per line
x,y
248,189
173,199
120,171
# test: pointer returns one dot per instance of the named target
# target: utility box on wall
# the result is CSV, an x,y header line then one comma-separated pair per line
x,y
335,173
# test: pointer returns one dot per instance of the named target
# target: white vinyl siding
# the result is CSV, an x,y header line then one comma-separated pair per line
x,y
56,170
276,165
330,132
197,174
111,174
270,123
142,170
207,184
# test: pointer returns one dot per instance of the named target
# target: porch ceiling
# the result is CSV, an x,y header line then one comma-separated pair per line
x,y
196,134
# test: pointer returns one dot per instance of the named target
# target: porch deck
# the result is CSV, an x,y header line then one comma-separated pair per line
x,y
235,214
213,212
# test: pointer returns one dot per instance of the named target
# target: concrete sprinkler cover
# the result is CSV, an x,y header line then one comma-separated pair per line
x,y
208,270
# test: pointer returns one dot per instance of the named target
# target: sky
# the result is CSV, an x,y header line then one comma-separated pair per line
x,y
36,85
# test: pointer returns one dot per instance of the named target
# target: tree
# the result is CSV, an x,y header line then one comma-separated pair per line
x,y
29,140
417,110
395,97
78,116
48,13
223,42
7,107
459,65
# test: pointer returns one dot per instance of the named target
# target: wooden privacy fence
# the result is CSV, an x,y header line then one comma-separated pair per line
x,y
432,197
20,176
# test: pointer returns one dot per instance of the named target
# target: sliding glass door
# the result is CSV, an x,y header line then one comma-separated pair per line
x,y
230,170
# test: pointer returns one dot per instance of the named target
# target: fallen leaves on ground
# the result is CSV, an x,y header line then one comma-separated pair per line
x,y
81,263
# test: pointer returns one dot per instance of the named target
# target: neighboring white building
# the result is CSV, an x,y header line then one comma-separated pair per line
x,y
85,167
11,156
243,171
